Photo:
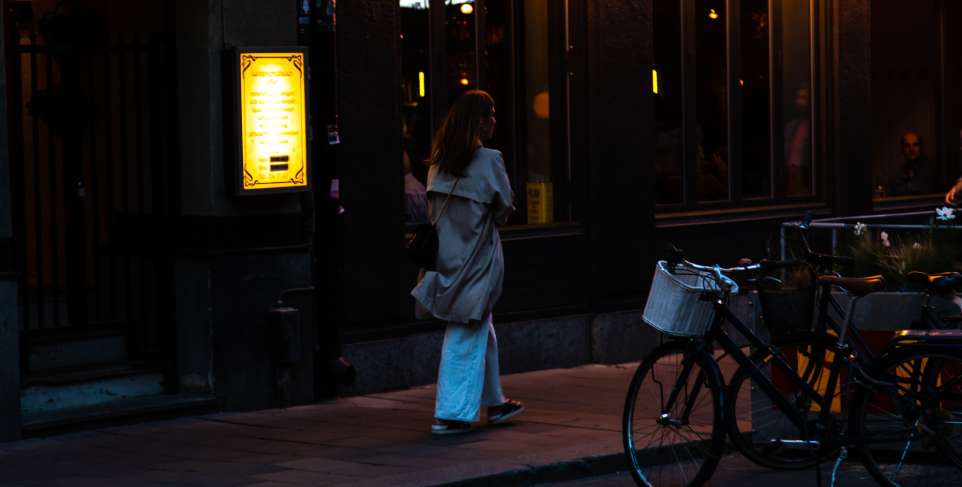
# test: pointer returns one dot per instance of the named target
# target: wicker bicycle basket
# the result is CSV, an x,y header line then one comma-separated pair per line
x,y
675,305
787,297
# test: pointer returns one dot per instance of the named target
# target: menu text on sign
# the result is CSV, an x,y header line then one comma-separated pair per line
x,y
273,120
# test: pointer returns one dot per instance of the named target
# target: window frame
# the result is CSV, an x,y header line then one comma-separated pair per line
x,y
689,206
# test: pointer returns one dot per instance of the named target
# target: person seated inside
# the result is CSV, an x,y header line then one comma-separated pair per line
x,y
415,195
915,175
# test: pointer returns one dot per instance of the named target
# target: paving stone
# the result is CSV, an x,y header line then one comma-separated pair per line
x,y
378,439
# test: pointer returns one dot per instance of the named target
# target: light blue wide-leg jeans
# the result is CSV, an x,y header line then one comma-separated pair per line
x,y
469,374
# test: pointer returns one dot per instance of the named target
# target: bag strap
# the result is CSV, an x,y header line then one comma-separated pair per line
x,y
445,205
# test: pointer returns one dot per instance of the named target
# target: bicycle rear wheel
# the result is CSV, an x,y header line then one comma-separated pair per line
x,y
679,443
910,431
761,430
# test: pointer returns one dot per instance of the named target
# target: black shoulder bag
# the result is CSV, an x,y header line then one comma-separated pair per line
x,y
422,241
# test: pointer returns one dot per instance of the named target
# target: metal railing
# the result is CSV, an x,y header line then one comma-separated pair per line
x,y
837,224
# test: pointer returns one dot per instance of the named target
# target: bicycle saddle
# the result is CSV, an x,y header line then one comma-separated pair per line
x,y
929,336
942,282
859,286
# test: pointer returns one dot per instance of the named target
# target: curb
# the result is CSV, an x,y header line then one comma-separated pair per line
x,y
593,466
555,472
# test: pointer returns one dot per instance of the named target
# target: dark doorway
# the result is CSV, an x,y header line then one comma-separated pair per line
x,y
94,150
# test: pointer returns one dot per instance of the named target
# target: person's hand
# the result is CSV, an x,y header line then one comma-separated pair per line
x,y
951,195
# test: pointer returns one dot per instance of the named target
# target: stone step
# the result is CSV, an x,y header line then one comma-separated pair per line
x,y
118,411
57,389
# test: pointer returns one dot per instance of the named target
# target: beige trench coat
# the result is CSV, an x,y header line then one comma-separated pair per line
x,y
470,267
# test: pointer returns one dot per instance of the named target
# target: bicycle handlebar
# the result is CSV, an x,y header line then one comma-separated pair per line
x,y
815,258
727,275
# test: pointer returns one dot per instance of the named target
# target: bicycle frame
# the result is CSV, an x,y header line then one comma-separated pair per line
x,y
717,334
825,300
860,357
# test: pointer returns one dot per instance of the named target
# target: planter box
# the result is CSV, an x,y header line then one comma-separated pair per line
x,y
877,316
884,311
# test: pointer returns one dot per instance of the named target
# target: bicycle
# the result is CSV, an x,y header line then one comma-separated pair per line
x,y
938,311
812,341
688,424
816,349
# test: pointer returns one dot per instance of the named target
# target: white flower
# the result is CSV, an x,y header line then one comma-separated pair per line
x,y
916,245
945,213
860,229
885,240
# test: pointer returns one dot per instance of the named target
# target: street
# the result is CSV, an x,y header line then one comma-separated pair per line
x,y
736,470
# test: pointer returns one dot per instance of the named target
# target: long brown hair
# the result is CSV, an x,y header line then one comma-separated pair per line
x,y
454,142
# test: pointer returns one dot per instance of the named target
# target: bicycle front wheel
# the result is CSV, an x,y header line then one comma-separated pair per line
x,y
672,424
909,428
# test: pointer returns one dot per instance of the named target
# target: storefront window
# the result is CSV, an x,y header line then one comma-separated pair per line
x,y
754,91
416,124
732,102
711,101
796,109
666,87
905,90
509,48
461,48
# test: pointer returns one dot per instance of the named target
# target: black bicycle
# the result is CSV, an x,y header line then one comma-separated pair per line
x,y
678,410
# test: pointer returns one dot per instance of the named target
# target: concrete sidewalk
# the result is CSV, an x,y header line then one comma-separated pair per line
x,y
570,429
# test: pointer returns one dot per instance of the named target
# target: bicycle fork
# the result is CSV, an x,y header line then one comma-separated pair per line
x,y
691,356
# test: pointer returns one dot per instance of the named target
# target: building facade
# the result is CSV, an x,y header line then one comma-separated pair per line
x,y
132,264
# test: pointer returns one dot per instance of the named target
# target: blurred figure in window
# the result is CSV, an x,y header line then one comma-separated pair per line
x,y
915,175
668,156
712,174
415,195
798,147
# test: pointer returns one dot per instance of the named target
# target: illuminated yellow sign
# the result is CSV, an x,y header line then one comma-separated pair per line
x,y
273,121
540,202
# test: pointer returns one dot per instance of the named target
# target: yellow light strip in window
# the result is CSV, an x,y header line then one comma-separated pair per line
x,y
654,81
421,84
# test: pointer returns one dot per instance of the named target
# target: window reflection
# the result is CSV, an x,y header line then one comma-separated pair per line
x,y
524,98
512,50
771,56
667,93
753,86
496,62
461,48
712,100
539,187
415,100
796,112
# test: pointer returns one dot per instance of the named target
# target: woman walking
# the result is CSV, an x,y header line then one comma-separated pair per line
x,y
468,196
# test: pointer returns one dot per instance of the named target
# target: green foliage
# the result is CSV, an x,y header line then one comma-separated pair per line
x,y
931,251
